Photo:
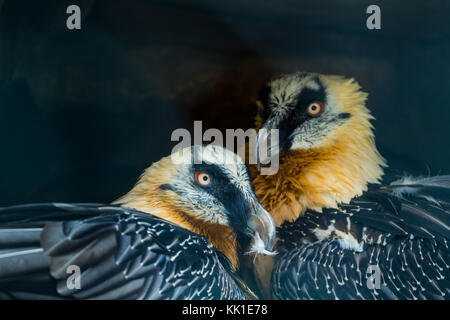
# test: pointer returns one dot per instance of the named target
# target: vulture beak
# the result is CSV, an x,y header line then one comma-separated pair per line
x,y
262,231
266,146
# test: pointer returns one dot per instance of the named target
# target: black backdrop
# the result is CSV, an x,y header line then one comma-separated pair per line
x,y
82,113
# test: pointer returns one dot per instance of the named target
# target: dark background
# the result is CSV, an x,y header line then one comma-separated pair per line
x,y
82,113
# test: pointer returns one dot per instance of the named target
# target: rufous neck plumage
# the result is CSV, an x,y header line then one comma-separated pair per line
x,y
335,172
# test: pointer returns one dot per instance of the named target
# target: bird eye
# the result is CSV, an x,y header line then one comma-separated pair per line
x,y
203,178
315,109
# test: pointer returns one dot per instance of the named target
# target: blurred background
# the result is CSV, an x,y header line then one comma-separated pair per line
x,y
83,112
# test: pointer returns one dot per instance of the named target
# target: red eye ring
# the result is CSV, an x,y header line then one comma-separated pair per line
x,y
203,178
315,108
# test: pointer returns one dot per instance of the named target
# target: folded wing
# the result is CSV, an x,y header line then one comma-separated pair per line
x,y
397,234
120,253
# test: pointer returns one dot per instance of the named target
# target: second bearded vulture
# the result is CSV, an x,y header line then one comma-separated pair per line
x,y
343,232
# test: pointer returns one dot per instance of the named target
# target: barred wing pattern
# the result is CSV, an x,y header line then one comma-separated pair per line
x,y
400,232
122,254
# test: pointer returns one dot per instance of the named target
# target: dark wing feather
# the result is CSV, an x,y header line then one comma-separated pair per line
x,y
122,254
408,269
403,229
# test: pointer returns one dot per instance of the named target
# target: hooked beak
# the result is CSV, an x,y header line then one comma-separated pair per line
x,y
266,146
262,231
